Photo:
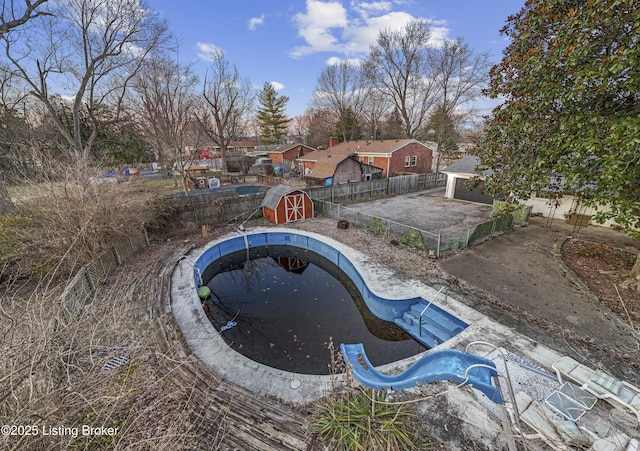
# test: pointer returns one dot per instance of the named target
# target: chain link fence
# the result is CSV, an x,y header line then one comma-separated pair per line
x,y
433,242
79,291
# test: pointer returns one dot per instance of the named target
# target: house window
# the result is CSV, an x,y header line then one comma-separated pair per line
x,y
296,156
414,161
361,159
407,161
370,161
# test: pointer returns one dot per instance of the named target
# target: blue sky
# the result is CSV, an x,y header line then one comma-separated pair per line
x,y
289,42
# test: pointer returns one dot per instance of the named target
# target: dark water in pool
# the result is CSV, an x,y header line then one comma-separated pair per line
x,y
284,304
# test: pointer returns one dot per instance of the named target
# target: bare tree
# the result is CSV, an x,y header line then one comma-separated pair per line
x,y
299,127
460,75
12,16
164,106
88,51
399,67
320,127
342,89
376,107
228,99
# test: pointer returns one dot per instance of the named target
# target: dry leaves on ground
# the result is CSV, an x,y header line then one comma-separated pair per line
x,y
604,269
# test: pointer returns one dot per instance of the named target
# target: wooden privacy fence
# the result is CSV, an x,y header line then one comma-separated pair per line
x,y
215,208
355,192
218,207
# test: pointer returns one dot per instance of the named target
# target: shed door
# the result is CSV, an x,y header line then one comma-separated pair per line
x,y
294,206
474,195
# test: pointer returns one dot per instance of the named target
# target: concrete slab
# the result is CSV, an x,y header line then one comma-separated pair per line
x,y
428,210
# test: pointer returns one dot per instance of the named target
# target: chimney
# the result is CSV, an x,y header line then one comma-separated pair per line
x,y
333,141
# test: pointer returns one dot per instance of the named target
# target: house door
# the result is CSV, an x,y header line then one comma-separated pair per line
x,y
294,207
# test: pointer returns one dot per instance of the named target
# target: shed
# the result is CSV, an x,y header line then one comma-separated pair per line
x,y
284,204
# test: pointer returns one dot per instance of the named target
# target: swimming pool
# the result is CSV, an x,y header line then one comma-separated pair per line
x,y
431,329
282,305
205,342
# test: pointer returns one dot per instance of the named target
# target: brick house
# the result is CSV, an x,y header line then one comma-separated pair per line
x,y
285,155
394,156
391,157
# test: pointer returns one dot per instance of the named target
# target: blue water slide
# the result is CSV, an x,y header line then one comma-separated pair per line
x,y
444,364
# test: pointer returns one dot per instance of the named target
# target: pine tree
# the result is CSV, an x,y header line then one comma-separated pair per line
x,y
272,118
348,127
393,128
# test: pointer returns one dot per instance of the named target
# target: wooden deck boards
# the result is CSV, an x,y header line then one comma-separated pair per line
x,y
226,413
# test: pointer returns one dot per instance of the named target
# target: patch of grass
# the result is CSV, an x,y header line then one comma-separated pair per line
x,y
346,423
164,185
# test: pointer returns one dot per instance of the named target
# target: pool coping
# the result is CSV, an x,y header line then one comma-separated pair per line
x,y
207,344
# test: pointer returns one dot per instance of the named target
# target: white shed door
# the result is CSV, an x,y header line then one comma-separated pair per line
x,y
294,206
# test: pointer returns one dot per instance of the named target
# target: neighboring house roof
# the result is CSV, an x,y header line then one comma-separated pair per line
x,y
326,161
465,165
462,147
384,147
280,148
244,144
215,145
273,196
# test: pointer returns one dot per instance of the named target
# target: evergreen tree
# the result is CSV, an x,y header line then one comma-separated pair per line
x,y
272,118
441,129
348,126
393,127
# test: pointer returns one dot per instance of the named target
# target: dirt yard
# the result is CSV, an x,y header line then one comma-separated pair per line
x,y
604,269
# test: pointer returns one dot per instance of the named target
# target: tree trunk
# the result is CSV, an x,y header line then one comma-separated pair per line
x,y
635,271
6,204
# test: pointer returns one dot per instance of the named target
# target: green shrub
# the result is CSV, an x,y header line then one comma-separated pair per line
x,y
413,238
378,226
502,209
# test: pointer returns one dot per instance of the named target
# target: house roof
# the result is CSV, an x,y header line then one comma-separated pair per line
x,y
215,145
273,196
465,165
326,161
280,148
381,147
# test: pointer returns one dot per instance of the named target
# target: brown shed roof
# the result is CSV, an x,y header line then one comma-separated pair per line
x,y
326,161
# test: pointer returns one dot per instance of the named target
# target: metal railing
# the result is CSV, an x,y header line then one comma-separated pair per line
x,y
425,309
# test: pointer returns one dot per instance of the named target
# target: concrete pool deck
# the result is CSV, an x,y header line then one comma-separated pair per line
x,y
300,389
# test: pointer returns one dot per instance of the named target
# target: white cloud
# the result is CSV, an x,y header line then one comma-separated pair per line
x,y
277,85
334,60
255,21
207,50
367,8
316,24
327,27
